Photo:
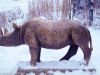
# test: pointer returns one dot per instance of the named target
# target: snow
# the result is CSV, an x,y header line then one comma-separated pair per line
x,y
80,72
10,57
11,4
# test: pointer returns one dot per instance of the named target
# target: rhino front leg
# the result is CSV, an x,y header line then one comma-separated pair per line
x,y
34,55
39,55
32,42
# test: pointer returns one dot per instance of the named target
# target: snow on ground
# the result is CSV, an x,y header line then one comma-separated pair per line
x,y
10,4
10,56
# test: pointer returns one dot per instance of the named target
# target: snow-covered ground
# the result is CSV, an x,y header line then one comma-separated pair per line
x,y
11,4
10,56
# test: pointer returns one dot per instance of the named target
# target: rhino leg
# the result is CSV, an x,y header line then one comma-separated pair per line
x,y
34,47
34,55
39,54
87,53
71,52
84,45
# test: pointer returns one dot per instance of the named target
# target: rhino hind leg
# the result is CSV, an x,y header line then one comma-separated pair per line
x,y
71,52
87,54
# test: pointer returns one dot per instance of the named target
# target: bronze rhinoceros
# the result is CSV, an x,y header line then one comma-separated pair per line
x,y
50,34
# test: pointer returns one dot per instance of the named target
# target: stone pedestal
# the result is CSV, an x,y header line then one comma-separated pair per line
x,y
48,68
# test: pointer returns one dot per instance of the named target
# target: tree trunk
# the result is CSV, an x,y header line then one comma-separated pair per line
x,y
90,12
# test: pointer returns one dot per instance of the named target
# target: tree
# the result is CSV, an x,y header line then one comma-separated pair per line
x,y
90,12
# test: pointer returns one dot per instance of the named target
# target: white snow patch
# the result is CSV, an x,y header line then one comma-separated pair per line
x,y
9,57
11,4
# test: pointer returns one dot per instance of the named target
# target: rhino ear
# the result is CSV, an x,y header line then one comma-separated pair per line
x,y
15,26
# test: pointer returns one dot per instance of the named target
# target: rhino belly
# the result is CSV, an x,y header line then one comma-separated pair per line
x,y
55,42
